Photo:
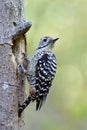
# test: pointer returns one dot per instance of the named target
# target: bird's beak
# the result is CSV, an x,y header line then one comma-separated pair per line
x,y
54,40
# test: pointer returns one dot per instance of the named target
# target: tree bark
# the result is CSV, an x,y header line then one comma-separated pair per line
x,y
12,44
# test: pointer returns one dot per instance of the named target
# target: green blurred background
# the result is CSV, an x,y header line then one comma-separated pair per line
x,y
66,105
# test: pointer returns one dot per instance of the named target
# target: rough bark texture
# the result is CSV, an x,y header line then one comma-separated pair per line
x,y
11,91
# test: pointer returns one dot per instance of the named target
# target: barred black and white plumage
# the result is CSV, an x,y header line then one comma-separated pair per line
x,y
40,74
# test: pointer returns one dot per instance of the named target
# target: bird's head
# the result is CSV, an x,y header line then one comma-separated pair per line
x,y
47,42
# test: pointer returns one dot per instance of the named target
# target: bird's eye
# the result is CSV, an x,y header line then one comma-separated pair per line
x,y
44,39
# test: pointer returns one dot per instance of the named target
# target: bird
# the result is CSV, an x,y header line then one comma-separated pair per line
x,y
40,73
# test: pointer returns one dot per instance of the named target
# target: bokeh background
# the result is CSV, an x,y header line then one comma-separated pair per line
x,y
66,105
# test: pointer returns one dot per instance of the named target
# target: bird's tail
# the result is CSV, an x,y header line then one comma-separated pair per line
x,y
24,105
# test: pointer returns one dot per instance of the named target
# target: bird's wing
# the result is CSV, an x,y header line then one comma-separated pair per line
x,y
45,72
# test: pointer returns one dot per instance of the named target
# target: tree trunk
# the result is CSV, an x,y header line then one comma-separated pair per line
x,y
12,44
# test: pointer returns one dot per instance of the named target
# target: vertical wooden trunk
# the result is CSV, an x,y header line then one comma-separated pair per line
x,y
11,11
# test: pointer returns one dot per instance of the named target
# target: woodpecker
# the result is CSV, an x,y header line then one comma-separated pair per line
x,y
40,73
